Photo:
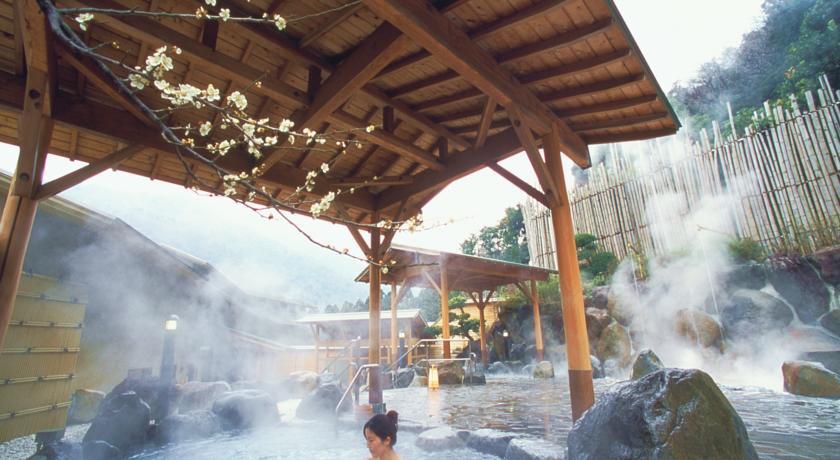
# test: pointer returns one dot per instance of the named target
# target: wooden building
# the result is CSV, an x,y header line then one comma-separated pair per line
x,y
452,85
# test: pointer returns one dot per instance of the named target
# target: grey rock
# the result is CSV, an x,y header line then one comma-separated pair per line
x,y
597,367
646,363
669,414
596,321
533,449
615,344
193,425
450,373
245,409
827,263
301,383
200,395
544,370
598,298
321,403
84,406
810,379
753,313
489,441
831,322
799,283
123,422
439,439
750,275
403,378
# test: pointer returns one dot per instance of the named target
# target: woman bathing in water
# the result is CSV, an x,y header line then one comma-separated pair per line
x,y
381,435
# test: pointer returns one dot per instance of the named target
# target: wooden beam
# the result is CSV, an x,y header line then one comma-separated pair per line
x,y
354,232
221,65
523,131
431,281
606,107
483,31
389,141
618,122
360,165
640,135
324,29
119,125
371,181
484,124
570,70
56,186
210,31
521,184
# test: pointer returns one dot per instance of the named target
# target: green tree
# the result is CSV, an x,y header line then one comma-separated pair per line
x,y
503,241
331,309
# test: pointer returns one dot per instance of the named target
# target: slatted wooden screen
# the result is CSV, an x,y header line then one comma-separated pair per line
x,y
39,357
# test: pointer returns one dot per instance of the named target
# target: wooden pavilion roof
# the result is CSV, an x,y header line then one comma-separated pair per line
x,y
453,73
422,268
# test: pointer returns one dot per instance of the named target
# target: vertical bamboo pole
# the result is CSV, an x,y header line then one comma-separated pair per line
x,y
538,338
444,308
374,387
395,351
574,320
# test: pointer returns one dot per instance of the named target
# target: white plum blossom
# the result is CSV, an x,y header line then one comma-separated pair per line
x,y
280,22
212,93
210,2
138,81
205,128
322,206
325,167
370,128
238,99
224,13
83,20
286,125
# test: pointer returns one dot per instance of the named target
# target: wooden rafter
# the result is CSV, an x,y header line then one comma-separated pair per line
x,y
617,122
484,124
484,31
371,56
324,29
56,186
625,137
434,32
371,181
523,131
608,106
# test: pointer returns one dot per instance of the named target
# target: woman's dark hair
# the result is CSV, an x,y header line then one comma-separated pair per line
x,y
384,426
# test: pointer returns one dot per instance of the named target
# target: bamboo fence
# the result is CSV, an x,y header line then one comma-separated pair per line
x,y
783,179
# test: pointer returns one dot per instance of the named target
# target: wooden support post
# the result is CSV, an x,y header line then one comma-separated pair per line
x,y
395,350
409,344
34,133
318,349
535,301
444,309
574,320
375,386
481,302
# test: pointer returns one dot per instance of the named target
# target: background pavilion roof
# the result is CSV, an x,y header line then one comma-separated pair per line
x,y
573,61
464,272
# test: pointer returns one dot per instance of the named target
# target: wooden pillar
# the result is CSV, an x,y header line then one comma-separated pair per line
x,y
318,349
574,320
34,133
395,349
444,309
408,343
535,301
374,387
482,332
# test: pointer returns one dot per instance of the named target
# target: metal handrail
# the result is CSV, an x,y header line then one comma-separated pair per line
x,y
417,344
352,382
341,354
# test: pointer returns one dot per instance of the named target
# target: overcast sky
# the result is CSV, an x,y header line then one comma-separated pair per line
x,y
675,36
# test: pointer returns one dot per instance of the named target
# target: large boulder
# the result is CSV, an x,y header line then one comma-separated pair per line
x,y
148,390
197,424
669,414
799,283
829,359
614,344
646,363
403,378
543,370
533,449
827,262
751,275
199,395
598,298
475,376
450,373
301,383
698,328
619,310
123,422
831,322
596,321
321,403
84,406
422,369
490,441
245,409
810,379
753,313
443,438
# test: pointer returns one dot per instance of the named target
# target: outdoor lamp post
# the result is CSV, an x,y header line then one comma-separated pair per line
x,y
167,365
401,348
506,343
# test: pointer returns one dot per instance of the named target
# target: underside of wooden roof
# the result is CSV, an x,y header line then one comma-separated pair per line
x,y
447,84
